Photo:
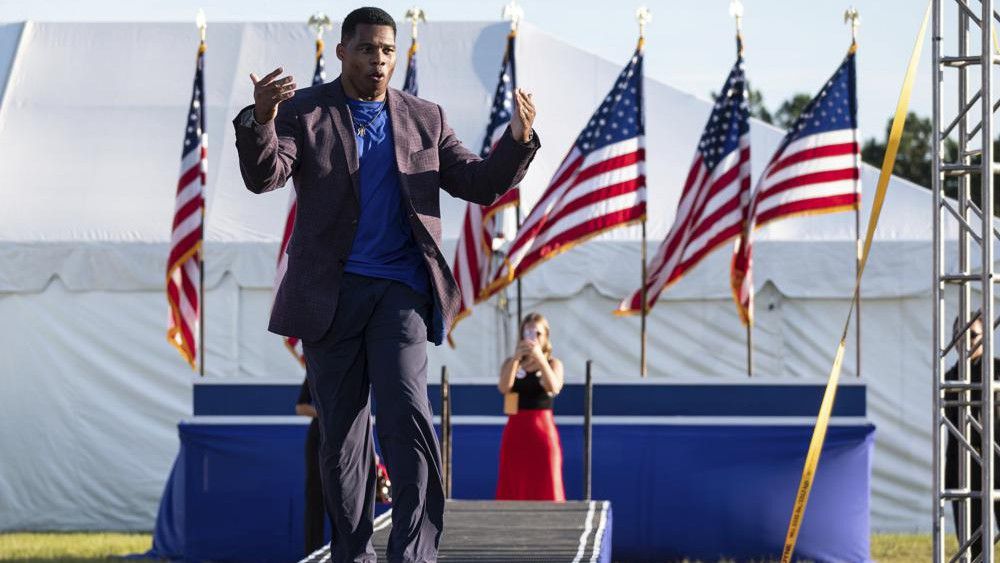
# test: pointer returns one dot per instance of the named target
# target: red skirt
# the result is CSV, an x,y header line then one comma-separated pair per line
x,y
530,458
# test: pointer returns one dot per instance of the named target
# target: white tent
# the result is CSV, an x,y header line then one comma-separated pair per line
x,y
90,130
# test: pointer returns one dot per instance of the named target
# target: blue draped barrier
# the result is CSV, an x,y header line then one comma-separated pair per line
x,y
698,487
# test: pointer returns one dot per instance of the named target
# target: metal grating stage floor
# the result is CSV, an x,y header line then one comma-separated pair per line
x,y
508,531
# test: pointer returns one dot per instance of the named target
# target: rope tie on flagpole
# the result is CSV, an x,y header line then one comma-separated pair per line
x,y
826,407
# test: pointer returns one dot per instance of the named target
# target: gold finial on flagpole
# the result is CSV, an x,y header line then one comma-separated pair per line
x,y
851,16
199,20
513,12
736,11
319,22
416,15
643,16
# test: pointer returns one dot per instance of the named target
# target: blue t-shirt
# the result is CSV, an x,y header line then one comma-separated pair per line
x,y
383,244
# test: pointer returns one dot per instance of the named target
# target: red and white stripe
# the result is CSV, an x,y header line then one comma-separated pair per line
x,y
474,253
184,263
590,193
815,174
709,214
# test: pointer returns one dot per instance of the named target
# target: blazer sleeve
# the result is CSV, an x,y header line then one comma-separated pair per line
x,y
268,153
467,176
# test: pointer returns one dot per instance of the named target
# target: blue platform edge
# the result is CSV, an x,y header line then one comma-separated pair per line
x,y
610,399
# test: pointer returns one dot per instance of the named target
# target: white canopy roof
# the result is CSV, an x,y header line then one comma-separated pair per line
x,y
91,119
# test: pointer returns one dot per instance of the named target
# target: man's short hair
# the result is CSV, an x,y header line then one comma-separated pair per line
x,y
367,15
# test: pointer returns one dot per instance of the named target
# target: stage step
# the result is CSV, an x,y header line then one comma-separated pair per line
x,y
507,531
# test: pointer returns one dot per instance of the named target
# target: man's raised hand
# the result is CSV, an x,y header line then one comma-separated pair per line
x,y
524,116
269,92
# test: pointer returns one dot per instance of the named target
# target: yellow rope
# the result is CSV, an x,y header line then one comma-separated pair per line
x,y
826,407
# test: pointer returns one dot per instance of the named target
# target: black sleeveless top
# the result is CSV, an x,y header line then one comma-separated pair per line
x,y
530,392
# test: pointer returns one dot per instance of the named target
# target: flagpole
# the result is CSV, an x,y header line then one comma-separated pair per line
x,y
415,16
851,17
319,23
736,11
515,13
201,22
517,219
645,306
643,16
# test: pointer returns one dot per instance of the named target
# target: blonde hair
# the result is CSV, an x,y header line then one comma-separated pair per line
x,y
532,318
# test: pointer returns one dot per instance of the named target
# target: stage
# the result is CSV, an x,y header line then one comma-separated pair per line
x,y
699,470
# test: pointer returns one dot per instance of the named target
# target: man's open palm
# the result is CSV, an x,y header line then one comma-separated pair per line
x,y
524,116
269,92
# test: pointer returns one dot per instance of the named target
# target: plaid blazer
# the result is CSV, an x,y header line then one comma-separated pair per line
x,y
311,141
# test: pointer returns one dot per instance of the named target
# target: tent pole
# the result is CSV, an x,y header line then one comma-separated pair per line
x,y
645,307
749,349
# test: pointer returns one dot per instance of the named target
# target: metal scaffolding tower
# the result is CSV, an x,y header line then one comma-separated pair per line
x,y
964,59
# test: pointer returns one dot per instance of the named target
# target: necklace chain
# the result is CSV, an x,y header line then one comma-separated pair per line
x,y
363,128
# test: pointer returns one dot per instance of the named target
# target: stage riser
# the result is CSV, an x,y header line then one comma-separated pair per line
x,y
677,490
480,399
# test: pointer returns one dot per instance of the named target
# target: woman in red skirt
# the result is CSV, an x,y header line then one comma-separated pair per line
x,y
530,452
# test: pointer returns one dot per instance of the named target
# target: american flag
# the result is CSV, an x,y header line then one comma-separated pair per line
x,y
474,252
718,184
816,169
600,185
184,266
292,343
410,82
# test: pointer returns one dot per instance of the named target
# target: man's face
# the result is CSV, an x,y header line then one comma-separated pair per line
x,y
976,340
367,61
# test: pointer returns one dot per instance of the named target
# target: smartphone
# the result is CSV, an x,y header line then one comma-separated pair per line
x,y
530,334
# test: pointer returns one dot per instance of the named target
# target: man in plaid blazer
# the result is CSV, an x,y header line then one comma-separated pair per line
x,y
367,285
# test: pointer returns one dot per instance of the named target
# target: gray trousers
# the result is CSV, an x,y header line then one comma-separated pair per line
x,y
378,339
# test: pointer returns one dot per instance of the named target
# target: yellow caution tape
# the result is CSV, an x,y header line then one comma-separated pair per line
x,y
826,407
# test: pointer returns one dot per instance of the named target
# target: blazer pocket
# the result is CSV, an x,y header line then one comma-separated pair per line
x,y
424,160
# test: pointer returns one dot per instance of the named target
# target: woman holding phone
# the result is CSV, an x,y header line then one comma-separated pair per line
x,y
530,452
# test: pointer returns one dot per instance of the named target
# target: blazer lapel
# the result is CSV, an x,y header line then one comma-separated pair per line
x,y
399,116
343,125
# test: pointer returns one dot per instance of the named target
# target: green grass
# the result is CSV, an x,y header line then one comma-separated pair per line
x,y
904,548
68,547
88,546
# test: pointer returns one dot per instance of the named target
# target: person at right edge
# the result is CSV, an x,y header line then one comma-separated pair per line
x,y
952,451
530,451
367,284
